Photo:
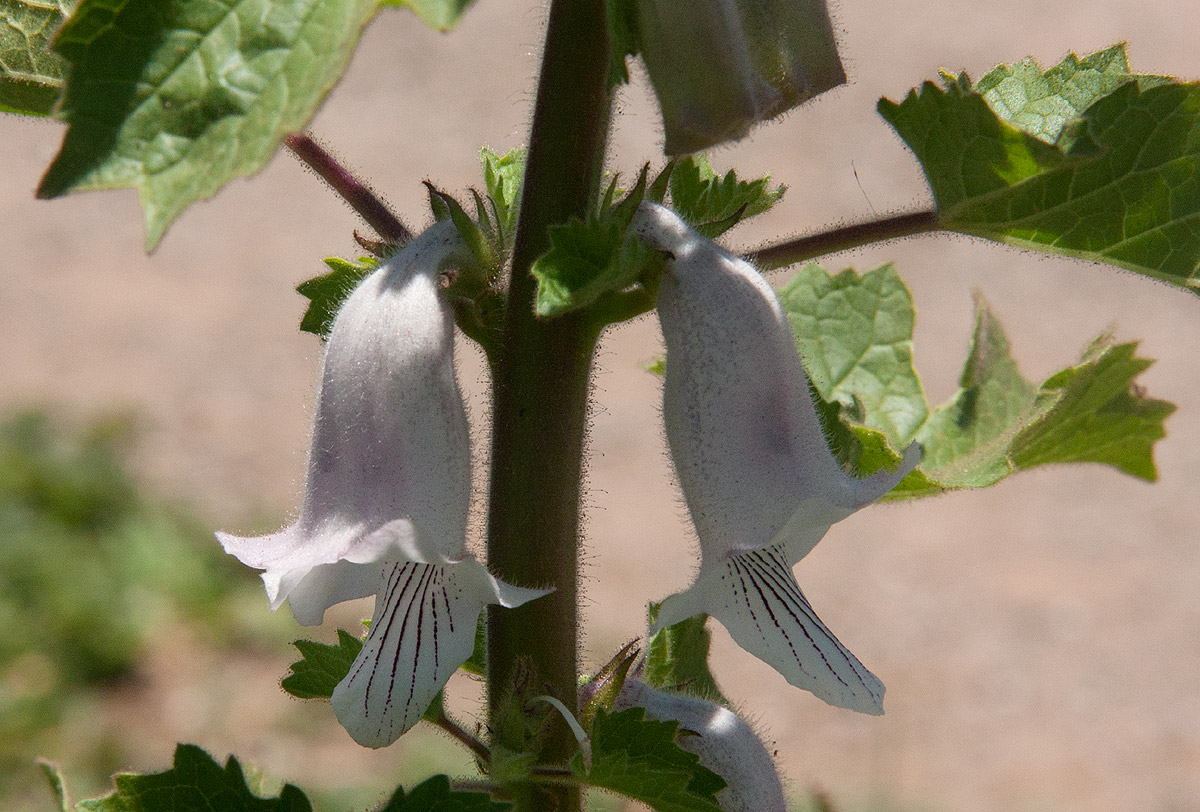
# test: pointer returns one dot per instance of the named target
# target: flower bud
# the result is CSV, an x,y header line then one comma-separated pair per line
x,y
721,66
723,741
760,482
385,508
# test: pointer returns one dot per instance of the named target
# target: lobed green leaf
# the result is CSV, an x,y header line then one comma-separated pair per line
x,y
640,759
31,75
177,97
321,666
1085,159
327,293
435,795
586,260
855,336
677,659
711,203
871,401
197,782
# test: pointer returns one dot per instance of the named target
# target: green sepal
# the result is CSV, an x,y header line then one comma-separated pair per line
x,y
195,782
473,235
601,691
712,204
503,176
640,759
327,293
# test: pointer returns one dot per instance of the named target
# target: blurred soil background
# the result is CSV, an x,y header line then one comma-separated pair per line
x,y
1040,639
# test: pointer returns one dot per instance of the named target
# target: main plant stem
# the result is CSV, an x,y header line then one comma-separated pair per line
x,y
540,380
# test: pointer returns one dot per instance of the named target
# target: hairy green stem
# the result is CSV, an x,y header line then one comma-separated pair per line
x,y
787,253
540,398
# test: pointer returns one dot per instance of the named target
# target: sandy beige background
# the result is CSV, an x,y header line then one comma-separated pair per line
x,y
1040,640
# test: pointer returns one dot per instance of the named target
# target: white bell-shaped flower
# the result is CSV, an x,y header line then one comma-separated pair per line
x,y
385,508
723,741
760,482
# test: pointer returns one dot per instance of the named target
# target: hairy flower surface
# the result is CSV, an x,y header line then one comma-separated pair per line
x,y
385,508
721,66
760,482
723,741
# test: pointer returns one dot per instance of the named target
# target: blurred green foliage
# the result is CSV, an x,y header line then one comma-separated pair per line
x,y
90,567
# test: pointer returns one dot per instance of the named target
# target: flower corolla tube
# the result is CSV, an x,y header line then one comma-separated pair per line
x,y
725,743
755,468
721,66
386,504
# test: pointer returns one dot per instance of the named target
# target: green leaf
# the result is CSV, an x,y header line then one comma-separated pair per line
x,y
440,15
871,401
177,97
855,336
713,204
196,782
326,293
640,759
967,440
677,658
321,666
434,795
1043,103
585,261
31,75
1014,159
503,176
1099,415
477,663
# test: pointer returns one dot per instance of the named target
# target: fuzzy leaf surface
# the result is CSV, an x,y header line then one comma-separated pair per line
x,y
195,782
1015,159
177,97
31,75
640,759
997,423
435,795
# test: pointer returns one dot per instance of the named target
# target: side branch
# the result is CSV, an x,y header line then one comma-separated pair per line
x,y
839,239
359,195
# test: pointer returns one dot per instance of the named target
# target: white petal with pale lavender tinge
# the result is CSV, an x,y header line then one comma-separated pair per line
x,y
423,629
725,743
756,598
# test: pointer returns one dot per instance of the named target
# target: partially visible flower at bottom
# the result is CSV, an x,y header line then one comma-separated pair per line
x,y
755,468
387,499
723,741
